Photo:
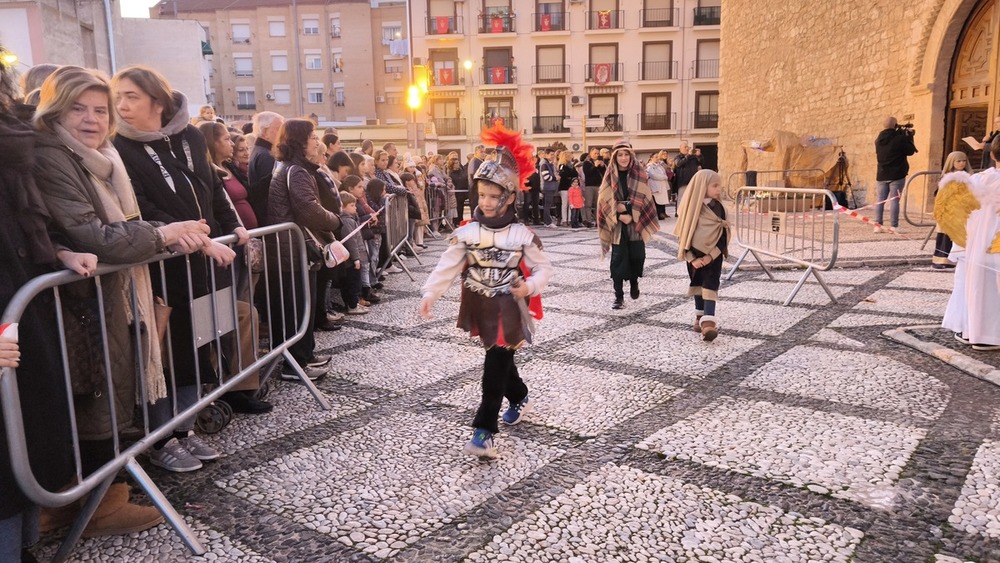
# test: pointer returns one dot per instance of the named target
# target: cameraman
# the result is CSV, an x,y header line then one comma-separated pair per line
x,y
892,146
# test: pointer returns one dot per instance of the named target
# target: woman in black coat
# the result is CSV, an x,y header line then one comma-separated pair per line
x,y
168,164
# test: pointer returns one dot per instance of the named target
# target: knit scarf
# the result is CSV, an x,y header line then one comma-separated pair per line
x,y
644,222
117,198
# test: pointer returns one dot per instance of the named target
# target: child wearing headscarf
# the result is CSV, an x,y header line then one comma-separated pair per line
x,y
703,243
626,219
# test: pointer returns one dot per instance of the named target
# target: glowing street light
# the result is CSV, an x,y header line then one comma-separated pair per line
x,y
8,58
413,97
467,64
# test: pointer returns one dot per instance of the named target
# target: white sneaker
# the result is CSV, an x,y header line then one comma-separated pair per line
x,y
877,229
359,310
394,269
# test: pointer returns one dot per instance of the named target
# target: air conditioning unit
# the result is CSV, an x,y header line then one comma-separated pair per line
x,y
397,75
268,96
578,100
379,99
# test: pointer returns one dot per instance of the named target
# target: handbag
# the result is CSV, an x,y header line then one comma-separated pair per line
x,y
331,254
84,341
255,255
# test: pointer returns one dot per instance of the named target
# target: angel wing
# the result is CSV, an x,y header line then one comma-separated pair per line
x,y
953,204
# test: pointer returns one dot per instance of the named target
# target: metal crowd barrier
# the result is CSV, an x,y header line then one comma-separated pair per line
x,y
431,193
797,178
790,224
214,318
917,201
397,232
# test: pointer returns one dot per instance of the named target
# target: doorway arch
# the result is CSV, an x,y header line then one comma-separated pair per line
x,y
973,79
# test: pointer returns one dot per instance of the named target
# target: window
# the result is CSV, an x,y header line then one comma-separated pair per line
x,y
338,96
391,32
279,63
604,66
656,61
394,66
658,13
335,26
282,96
551,64
444,67
393,98
499,111
706,110
707,64
604,113
310,26
246,100
655,111
315,95
243,66
497,67
276,28
240,32
338,61
550,16
549,115
314,62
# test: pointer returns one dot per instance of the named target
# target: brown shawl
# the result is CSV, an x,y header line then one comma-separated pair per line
x,y
698,226
643,207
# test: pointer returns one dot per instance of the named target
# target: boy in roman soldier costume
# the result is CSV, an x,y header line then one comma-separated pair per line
x,y
502,266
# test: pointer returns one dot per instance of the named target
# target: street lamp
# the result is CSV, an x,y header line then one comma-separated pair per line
x,y
9,59
467,64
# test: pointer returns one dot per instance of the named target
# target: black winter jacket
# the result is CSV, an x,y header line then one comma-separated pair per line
x,y
891,149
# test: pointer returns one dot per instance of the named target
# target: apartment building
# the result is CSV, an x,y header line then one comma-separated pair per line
x,y
340,62
65,33
583,72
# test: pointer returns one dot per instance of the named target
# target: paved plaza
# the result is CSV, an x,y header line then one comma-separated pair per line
x,y
801,434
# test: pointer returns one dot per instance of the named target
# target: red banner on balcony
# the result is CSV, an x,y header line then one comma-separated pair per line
x,y
496,120
446,76
546,22
602,73
496,24
604,19
498,75
442,25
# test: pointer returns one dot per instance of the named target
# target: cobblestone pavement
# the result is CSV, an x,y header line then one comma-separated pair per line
x,y
799,435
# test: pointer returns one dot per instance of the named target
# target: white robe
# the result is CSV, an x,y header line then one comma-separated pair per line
x,y
956,318
982,272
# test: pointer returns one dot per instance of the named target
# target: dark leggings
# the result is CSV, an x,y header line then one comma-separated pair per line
x,y
500,379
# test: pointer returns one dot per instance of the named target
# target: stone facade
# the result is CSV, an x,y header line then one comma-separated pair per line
x,y
835,70
48,31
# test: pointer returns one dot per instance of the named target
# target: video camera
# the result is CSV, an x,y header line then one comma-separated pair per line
x,y
905,128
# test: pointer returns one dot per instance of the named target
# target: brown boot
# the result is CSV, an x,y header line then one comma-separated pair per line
x,y
709,329
51,519
115,516
697,324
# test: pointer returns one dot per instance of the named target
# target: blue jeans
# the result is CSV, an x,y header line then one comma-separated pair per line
x,y
884,190
548,200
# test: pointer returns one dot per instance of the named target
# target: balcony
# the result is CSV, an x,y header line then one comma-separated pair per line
x,y
447,76
658,70
500,75
602,73
660,17
508,121
653,121
335,32
549,124
247,106
705,119
706,68
449,126
708,15
606,19
550,73
444,25
551,21
610,123
243,73
241,40
496,23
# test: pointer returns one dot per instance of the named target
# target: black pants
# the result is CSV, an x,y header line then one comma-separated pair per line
x,y
531,212
283,326
460,199
323,278
350,291
500,379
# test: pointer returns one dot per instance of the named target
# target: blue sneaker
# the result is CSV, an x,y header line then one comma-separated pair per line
x,y
515,413
481,444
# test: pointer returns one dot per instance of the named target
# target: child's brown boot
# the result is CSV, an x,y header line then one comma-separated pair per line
x,y
709,328
116,516
697,323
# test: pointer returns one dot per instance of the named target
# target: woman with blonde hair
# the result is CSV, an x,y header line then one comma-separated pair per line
x,y
94,209
957,161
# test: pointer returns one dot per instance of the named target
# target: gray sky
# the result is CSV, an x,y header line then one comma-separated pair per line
x,y
136,8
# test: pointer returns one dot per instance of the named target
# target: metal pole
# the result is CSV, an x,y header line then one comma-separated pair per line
x,y
298,56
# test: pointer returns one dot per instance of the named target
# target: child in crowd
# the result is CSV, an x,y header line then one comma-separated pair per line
x,y
417,223
352,278
575,196
488,252
956,162
354,186
375,192
703,235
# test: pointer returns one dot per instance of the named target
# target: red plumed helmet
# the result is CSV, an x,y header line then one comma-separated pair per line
x,y
514,161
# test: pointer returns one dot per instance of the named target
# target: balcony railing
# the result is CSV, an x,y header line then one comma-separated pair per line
x,y
706,68
496,23
500,75
444,25
602,73
247,106
447,76
660,17
335,32
658,70
708,15
244,73
651,121
550,21
606,19
241,40
550,73
508,121
549,124
449,126
609,123
705,119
